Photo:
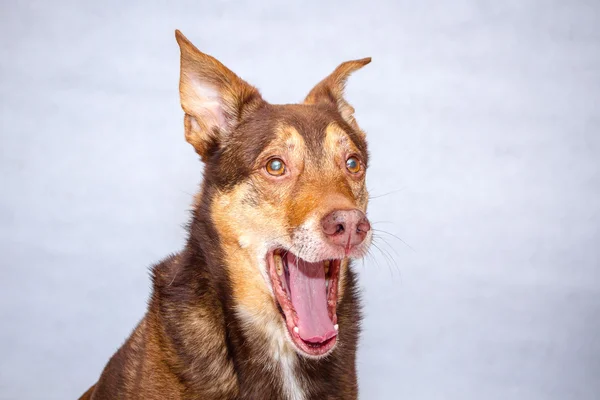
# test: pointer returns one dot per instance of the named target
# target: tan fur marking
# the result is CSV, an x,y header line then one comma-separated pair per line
x,y
339,146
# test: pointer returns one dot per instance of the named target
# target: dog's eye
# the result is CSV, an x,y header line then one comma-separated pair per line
x,y
353,165
275,167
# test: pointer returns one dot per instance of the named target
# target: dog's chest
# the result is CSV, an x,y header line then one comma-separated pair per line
x,y
290,378
285,360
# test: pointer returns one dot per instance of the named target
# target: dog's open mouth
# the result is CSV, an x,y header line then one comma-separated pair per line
x,y
307,294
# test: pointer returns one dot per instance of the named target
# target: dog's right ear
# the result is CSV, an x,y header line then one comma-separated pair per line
x,y
213,97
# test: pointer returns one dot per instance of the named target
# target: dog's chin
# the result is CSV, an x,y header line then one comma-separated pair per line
x,y
307,296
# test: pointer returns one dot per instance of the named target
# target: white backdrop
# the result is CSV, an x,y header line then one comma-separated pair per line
x,y
484,123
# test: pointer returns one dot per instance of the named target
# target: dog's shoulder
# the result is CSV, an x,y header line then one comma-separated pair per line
x,y
137,369
154,362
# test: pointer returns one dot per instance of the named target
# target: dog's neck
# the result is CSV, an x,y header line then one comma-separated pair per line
x,y
230,349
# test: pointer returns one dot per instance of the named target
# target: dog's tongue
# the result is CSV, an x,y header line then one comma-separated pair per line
x,y
309,297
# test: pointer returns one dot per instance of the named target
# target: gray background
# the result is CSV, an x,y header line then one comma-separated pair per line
x,y
483,120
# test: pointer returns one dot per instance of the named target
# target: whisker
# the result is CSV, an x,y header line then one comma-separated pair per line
x,y
381,238
382,222
396,237
391,257
383,248
387,194
385,256
370,254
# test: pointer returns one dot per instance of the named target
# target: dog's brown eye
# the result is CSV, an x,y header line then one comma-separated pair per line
x,y
275,167
353,165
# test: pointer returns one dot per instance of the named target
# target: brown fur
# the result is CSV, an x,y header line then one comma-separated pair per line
x,y
208,332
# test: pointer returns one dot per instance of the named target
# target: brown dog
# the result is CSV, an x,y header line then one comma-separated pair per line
x,y
261,303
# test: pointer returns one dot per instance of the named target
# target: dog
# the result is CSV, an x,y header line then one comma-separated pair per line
x,y
262,302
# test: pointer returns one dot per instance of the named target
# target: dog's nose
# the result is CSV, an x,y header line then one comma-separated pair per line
x,y
346,227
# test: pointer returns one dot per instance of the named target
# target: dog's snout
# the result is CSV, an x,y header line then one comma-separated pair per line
x,y
346,227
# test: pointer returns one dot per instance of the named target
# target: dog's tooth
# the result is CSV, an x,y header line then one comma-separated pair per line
x,y
336,327
326,265
296,329
278,264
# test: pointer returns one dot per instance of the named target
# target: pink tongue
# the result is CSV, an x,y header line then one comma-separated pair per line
x,y
308,294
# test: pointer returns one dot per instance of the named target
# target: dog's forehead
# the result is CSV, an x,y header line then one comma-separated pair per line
x,y
305,121
282,124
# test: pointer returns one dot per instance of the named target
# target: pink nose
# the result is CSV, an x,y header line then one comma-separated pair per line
x,y
346,227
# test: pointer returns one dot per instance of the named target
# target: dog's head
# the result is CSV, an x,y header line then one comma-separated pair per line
x,y
287,196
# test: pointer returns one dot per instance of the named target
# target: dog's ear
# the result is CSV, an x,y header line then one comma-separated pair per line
x,y
213,97
331,89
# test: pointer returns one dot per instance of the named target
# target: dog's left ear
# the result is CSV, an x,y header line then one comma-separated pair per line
x,y
331,90
214,99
